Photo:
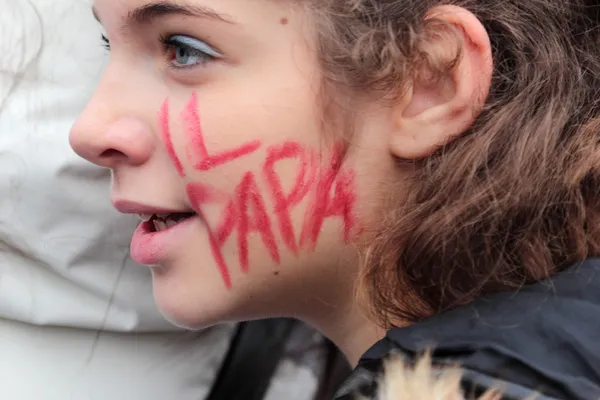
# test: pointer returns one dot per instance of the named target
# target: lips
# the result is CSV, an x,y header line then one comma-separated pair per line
x,y
152,247
160,233
131,207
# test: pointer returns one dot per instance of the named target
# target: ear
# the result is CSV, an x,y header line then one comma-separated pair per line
x,y
436,109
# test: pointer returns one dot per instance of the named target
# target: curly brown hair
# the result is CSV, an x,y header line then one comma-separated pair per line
x,y
514,199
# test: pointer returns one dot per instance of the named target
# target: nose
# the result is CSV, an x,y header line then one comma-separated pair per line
x,y
111,143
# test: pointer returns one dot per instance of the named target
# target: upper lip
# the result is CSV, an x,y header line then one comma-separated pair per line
x,y
131,207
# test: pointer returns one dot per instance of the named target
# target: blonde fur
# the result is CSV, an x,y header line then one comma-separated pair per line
x,y
422,382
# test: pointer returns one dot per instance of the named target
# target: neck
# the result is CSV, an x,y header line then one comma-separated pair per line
x,y
352,333
333,310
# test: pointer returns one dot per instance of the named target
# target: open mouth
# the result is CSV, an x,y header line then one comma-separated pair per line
x,y
162,222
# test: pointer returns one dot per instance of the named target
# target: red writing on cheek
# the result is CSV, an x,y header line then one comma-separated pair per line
x,y
249,197
330,202
166,136
343,202
208,161
284,202
333,195
199,195
329,191
247,213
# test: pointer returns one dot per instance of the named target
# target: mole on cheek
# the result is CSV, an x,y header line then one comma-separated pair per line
x,y
283,21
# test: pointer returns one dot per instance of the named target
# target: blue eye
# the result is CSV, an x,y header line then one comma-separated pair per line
x,y
184,51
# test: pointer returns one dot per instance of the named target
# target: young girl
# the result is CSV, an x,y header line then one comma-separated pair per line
x,y
279,152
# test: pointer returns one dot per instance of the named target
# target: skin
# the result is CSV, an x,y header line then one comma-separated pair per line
x,y
262,89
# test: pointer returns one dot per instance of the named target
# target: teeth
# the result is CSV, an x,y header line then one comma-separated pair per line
x,y
145,217
164,221
159,225
170,222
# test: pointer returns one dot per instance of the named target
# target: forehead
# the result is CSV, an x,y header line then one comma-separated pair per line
x,y
242,12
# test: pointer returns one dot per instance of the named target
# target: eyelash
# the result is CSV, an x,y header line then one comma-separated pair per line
x,y
170,44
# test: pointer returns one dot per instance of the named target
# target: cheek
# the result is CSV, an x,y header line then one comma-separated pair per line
x,y
191,141
287,213
164,124
274,192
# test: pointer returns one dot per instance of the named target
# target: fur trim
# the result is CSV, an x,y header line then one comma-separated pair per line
x,y
422,382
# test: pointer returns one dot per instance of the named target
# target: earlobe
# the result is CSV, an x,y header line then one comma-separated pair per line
x,y
436,109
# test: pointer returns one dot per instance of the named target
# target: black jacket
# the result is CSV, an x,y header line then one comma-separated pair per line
x,y
543,339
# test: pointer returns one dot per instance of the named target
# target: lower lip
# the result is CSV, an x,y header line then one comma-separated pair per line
x,y
151,248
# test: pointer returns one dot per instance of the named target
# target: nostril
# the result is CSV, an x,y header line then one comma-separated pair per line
x,y
125,141
112,154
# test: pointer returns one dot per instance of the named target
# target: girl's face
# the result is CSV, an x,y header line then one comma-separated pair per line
x,y
210,115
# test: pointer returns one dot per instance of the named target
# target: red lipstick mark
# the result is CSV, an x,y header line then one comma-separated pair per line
x,y
228,223
203,194
166,136
341,204
333,195
283,202
247,194
209,161
198,196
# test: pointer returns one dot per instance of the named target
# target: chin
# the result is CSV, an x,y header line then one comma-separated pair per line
x,y
191,324
189,306
183,316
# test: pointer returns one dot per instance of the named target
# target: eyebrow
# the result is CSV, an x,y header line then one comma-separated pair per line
x,y
152,11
